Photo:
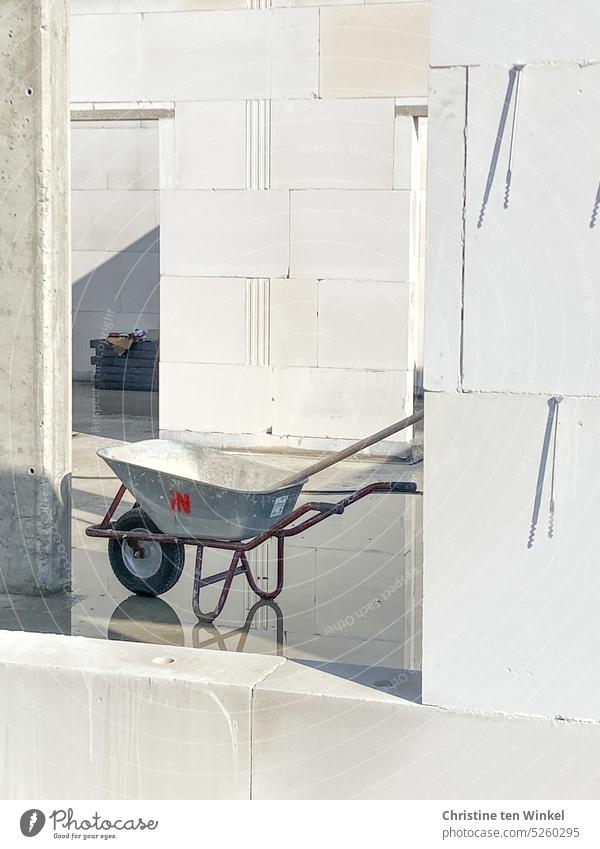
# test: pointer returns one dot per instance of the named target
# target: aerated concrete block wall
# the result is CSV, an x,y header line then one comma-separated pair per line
x,y
512,366
170,723
289,206
115,259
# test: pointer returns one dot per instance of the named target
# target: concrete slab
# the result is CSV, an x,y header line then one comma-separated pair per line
x,y
142,722
315,737
149,721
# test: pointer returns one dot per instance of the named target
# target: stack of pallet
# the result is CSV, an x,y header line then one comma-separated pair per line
x,y
136,370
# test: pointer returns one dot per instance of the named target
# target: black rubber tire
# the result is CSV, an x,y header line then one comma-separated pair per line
x,y
171,566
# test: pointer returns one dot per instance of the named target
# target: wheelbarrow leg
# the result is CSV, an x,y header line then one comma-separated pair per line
x,y
199,582
263,594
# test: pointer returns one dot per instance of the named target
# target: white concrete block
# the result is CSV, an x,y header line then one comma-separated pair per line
x,y
359,595
510,617
230,398
374,51
338,402
350,235
192,56
80,7
224,234
299,602
364,325
378,523
211,145
276,4
445,199
114,221
133,158
105,58
484,32
200,5
332,144
242,55
91,7
119,157
530,291
405,140
203,320
295,53
316,736
88,158
195,709
293,322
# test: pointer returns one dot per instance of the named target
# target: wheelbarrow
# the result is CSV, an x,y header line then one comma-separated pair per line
x,y
187,495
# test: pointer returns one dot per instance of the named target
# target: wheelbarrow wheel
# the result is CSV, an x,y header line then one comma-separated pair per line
x,y
158,570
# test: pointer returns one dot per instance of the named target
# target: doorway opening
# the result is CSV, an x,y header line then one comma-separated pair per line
x,y
115,277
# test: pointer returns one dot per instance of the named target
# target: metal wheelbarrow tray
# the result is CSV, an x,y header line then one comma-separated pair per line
x,y
190,491
187,495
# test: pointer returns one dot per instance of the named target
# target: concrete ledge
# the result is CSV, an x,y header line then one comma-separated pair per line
x,y
137,111
316,737
88,719
301,445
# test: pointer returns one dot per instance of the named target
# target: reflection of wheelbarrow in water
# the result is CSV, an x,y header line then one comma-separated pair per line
x,y
186,495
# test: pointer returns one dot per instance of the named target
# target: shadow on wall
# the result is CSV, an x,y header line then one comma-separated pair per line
x,y
512,86
117,294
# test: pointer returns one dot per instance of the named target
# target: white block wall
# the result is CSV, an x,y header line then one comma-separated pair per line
x,y
289,206
115,215
510,611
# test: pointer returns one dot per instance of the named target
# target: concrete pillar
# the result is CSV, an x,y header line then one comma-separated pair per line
x,y
35,415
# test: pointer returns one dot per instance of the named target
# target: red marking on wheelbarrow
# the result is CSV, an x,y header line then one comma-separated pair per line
x,y
180,501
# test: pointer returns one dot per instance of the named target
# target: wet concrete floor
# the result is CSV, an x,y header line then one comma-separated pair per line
x,y
351,601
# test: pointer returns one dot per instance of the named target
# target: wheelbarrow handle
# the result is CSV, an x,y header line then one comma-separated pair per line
x,y
403,486
331,459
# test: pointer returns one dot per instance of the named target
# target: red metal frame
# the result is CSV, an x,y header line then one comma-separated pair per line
x,y
239,565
